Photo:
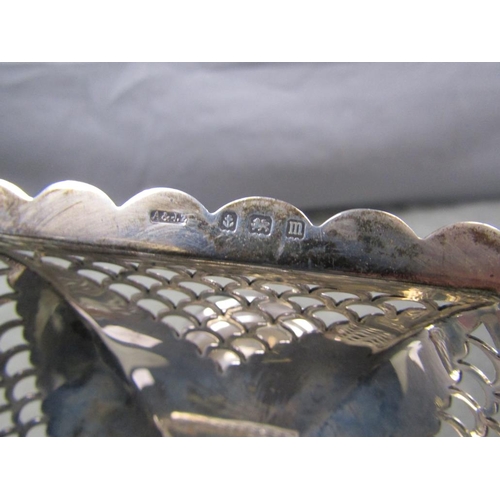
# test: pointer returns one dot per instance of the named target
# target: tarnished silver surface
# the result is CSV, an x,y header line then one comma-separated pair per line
x,y
108,335
257,230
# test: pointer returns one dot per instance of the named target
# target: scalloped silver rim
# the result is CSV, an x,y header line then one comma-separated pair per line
x,y
257,230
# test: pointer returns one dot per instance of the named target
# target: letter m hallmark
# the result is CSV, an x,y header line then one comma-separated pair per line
x,y
295,228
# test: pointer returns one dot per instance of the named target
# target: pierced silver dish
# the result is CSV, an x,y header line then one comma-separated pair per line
x,y
161,318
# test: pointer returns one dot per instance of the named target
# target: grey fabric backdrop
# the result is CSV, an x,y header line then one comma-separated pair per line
x,y
315,135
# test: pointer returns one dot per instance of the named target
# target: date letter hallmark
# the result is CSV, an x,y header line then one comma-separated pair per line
x,y
295,229
228,220
261,224
167,217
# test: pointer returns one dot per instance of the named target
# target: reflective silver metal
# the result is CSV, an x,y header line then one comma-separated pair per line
x,y
160,318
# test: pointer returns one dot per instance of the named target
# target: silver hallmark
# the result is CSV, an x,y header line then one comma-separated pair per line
x,y
228,221
295,229
167,217
261,224
351,241
247,321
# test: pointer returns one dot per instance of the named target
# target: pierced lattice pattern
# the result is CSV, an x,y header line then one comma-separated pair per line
x,y
474,405
232,312
20,400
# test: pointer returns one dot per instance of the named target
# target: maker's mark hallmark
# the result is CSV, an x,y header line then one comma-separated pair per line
x,y
228,220
167,217
295,229
261,224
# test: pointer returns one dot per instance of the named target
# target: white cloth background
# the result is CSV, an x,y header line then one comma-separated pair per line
x,y
315,135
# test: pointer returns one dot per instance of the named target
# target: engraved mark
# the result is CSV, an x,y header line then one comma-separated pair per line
x,y
228,221
167,217
295,229
261,224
